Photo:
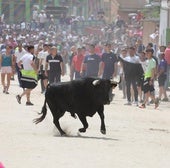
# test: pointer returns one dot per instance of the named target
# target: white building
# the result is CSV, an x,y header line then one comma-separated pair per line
x,y
164,31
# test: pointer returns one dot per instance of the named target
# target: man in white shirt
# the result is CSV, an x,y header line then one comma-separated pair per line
x,y
19,52
42,19
29,75
42,56
129,78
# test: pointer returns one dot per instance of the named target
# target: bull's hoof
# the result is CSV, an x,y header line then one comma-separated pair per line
x,y
82,130
103,132
63,133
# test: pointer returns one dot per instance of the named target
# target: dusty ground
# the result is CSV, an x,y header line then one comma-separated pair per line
x,y
136,138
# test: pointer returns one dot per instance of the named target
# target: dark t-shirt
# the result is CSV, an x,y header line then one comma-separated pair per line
x,y
163,65
92,62
54,63
109,60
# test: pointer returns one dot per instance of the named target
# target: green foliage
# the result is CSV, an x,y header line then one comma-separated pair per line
x,y
152,12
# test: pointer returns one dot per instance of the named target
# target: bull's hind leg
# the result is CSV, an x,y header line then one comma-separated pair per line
x,y
57,124
57,114
101,114
84,122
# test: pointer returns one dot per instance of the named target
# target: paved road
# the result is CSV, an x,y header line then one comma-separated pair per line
x,y
136,138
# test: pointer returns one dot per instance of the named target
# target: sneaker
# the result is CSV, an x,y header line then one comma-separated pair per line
x,y
29,104
18,97
128,103
136,103
151,102
142,106
7,92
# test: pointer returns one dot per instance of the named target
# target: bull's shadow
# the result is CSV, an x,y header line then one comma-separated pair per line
x,y
86,137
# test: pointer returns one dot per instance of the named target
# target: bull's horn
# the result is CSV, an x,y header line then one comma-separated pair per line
x,y
96,82
117,80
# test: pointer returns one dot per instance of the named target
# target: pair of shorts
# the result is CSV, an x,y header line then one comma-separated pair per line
x,y
147,86
161,80
42,75
6,69
28,79
140,82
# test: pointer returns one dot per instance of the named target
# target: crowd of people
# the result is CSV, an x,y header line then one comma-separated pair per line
x,y
39,54
46,63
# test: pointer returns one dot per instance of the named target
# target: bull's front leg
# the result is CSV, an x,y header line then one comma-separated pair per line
x,y
84,122
101,114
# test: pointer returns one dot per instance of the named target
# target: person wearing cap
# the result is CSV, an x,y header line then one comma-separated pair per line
x,y
149,76
28,75
91,63
7,66
54,63
108,64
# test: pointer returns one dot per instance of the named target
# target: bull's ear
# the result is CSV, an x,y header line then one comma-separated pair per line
x,y
96,82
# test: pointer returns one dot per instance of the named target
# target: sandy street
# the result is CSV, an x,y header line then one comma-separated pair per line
x,y
136,138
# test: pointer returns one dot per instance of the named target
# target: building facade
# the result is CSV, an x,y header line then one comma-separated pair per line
x,y
16,11
130,6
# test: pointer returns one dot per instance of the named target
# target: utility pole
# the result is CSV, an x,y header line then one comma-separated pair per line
x,y
27,10
0,7
164,32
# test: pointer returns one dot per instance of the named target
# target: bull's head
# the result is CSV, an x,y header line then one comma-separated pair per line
x,y
112,84
115,81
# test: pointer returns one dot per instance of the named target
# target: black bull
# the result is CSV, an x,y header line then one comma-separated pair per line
x,y
83,97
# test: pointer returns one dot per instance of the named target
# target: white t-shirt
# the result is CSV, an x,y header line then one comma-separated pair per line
x,y
19,54
26,61
42,17
43,55
35,15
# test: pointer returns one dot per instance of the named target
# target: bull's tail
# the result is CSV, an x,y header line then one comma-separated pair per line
x,y
43,112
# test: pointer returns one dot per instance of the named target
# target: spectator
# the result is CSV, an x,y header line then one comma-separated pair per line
x,y
131,80
108,65
76,64
56,67
91,63
7,66
19,52
43,56
149,76
42,19
122,86
142,57
162,70
29,75
167,58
